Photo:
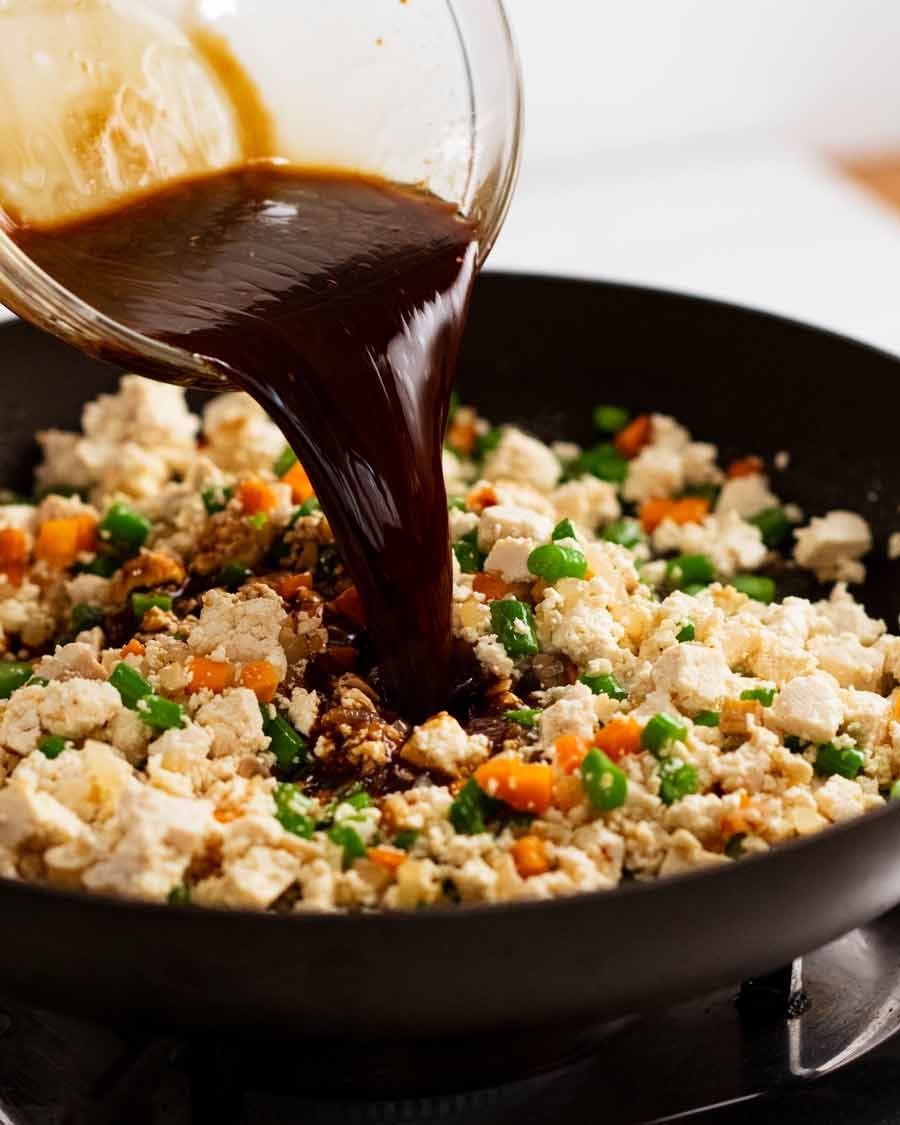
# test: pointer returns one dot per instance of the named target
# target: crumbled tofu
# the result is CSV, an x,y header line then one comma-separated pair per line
x,y
441,744
509,558
235,722
809,707
730,542
241,627
241,437
893,546
502,521
74,708
851,663
746,496
523,458
696,677
303,709
588,501
572,711
493,656
831,542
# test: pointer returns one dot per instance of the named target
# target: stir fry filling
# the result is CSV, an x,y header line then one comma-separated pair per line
x,y
190,709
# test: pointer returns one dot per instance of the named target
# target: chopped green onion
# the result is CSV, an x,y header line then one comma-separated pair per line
x,y
456,504
141,603
406,838
103,565
286,743
471,808
37,681
215,499
611,419
734,845
525,716
686,632
306,509
468,554
831,759
708,492
358,798
257,521
124,528
660,731
563,530
706,719
347,838
773,524
287,459
513,623
13,674
764,695
292,811
604,685
693,589
180,895
603,461
488,442
233,575
160,713
755,586
677,779
51,745
626,532
130,685
86,617
604,783
552,562
690,570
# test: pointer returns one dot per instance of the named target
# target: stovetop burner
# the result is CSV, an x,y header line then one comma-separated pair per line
x,y
744,1054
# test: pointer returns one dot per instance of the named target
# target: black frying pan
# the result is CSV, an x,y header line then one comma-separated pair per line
x,y
542,351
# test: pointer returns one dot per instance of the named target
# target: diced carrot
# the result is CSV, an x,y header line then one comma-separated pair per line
x,y
630,441
491,585
13,554
481,497
256,496
87,533
618,738
461,436
525,786
745,800
388,858
732,823
225,816
690,509
301,489
349,604
734,718
530,856
568,792
744,467
57,542
897,708
214,675
133,648
261,678
571,751
291,584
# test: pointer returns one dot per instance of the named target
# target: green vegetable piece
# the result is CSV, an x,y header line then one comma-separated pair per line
x,y
734,845
693,589
141,603
471,808
513,622
755,586
773,524
627,532
37,681
306,509
603,461
453,405
794,744
233,575
468,555
348,838
130,685
525,716
292,811
894,794
406,838
287,459
690,570
604,783
51,745
180,895
660,731
287,744
832,759
686,632
124,529
215,499
604,685
257,521
160,713
86,617
359,799
102,564
708,492
563,530
486,443
611,419
677,779
456,503
13,674
552,562
765,695
706,719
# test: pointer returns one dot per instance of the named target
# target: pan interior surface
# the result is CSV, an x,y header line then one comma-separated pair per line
x,y
541,352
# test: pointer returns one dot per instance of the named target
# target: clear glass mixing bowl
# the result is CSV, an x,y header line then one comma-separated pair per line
x,y
100,99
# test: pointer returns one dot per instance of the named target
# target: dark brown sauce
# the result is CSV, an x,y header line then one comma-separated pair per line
x,y
338,302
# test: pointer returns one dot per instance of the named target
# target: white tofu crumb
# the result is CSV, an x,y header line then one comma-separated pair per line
x,y
809,707
493,656
732,544
587,501
241,627
235,722
523,458
893,546
747,495
782,460
509,558
502,521
73,708
240,434
829,543
303,709
851,663
697,678
441,744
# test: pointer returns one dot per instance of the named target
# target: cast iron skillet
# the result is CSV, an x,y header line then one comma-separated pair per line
x,y
542,351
